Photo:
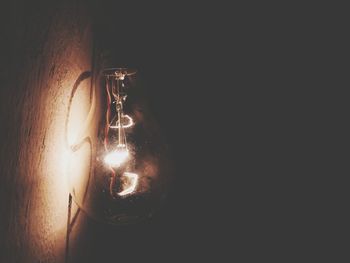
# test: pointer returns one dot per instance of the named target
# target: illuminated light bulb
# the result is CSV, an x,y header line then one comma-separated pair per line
x,y
130,169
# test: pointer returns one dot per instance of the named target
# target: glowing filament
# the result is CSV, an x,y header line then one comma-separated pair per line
x,y
127,125
131,185
117,157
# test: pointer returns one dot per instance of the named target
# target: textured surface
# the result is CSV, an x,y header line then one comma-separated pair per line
x,y
49,47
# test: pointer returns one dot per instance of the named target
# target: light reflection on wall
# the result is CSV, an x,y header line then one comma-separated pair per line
x,y
51,193
48,54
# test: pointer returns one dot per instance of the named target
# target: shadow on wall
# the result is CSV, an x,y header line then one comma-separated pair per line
x,y
78,142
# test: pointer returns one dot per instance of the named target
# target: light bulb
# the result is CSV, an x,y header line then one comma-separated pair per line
x,y
128,174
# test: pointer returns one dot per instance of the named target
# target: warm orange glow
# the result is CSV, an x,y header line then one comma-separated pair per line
x,y
80,114
117,157
130,185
